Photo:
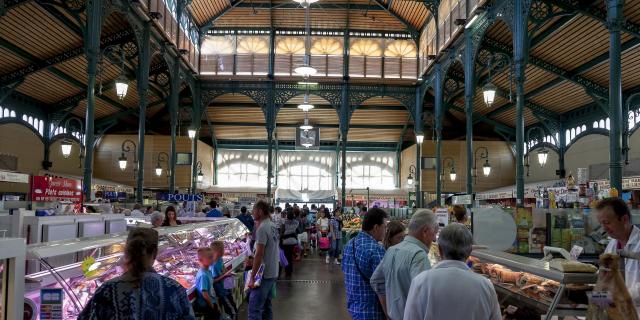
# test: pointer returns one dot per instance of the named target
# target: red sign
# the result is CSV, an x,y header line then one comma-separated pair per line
x,y
47,189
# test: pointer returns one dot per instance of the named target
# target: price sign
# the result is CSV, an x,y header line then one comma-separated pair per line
x,y
51,304
442,216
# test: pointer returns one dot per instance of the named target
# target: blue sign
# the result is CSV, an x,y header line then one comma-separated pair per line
x,y
180,197
51,304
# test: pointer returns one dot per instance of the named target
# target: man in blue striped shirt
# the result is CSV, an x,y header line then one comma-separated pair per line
x,y
360,258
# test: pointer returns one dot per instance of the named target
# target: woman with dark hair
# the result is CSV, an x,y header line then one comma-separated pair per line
x,y
139,293
170,217
394,235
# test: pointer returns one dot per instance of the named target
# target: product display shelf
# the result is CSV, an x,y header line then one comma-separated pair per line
x,y
549,307
101,260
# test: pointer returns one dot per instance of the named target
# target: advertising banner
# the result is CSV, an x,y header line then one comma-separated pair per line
x,y
45,189
177,197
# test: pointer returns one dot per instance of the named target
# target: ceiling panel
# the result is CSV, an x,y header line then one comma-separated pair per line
x,y
374,135
43,39
382,117
316,116
10,61
48,88
235,114
630,70
240,133
569,51
415,12
562,98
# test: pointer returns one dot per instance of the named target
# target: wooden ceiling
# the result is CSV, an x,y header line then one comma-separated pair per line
x,y
574,41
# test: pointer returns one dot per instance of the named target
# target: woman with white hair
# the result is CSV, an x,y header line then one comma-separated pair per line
x,y
431,291
157,218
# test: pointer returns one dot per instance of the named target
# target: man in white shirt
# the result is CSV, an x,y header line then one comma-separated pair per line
x,y
136,212
450,291
614,216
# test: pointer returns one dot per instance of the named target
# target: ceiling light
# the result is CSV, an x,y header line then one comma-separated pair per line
x,y
65,145
486,169
158,170
306,106
419,138
122,162
122,85
489,93
543,154
305,3
191,132
410,180
200,176
452,174
306,70
306,126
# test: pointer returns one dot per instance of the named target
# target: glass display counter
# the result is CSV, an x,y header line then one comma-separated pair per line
x,y
101,259
532,286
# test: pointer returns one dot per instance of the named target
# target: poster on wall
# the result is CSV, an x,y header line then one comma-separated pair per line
x,y
46,189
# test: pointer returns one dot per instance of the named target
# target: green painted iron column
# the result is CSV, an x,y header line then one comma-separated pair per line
x,y
173,115
344,131
562,147
271,127
520,35
272,53
438,115
92,51
143,87
469,92
196,122
418,129
615,18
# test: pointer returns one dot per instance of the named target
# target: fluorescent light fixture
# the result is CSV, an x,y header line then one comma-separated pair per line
x,y
470,23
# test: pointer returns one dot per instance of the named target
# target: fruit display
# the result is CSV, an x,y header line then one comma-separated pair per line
x,y
354,223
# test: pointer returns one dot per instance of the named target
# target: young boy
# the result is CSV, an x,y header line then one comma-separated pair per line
x,y
206,302
219,274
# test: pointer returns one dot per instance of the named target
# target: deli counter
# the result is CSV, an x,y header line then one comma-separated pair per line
x,y
530,288
100,259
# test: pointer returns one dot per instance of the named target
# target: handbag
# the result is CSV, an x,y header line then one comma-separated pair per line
x,y
283,259
324,243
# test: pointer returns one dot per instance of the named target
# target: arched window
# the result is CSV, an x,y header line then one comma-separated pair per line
x,y
602,124
567,137
608,124
584,128
573,133
595,124
24,118
1,112
30,120
41,127
13,114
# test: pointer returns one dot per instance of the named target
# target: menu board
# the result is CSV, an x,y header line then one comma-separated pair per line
x,y
46,189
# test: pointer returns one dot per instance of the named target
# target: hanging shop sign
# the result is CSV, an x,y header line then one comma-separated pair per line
x,y
6,176
45,189
462,199
632,183
114,195
117,188
178,197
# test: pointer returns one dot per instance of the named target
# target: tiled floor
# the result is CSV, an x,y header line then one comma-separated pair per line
x,y
315,292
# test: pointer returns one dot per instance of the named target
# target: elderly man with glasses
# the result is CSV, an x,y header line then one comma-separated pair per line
x,y
403,262
450,290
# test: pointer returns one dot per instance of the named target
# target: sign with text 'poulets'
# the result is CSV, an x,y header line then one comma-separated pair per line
x,y
46,189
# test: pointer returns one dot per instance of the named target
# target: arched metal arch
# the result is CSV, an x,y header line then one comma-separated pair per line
x,y
602,132
21,122
547,145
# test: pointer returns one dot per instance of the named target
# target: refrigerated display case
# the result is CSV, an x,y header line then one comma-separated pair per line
x,y
532,286
101,259
12,255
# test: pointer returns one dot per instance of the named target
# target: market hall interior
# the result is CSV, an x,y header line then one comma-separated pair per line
x,y
176,114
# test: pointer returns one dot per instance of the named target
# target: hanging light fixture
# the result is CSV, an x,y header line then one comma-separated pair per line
x,y
305,3
122,162
158,170
306,106
122,85
200,176
543,154
162,157
65,145
306,70
489,93
486,168
306,126
452,174
191,132
420,138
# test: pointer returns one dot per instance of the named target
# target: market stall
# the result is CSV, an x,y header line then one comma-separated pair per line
x,y
99,259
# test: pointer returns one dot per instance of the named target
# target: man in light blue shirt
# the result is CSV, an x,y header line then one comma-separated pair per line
x,y
392,278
